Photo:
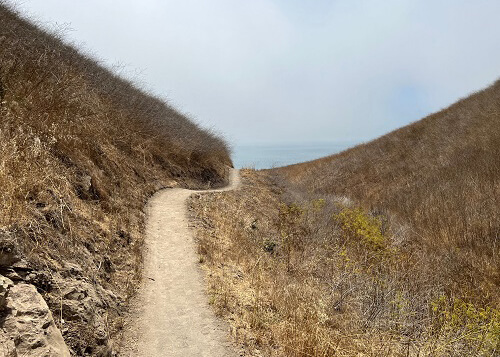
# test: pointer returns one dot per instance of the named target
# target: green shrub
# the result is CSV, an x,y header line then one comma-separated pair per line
x,y
359,225
464,322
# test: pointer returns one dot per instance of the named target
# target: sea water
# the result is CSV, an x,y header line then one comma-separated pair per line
x,y
269,156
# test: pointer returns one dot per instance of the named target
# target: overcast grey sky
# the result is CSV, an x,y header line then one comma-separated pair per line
x,y
285,71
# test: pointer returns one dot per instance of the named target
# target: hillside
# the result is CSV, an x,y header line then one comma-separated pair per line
x,y
390,248
440,175
81,150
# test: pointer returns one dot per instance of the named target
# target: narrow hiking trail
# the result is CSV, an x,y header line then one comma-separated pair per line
x,y
171,316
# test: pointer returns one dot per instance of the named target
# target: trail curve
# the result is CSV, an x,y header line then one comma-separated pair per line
x,y
170,316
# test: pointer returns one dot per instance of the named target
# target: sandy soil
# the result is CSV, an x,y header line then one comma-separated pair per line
x,y
171,316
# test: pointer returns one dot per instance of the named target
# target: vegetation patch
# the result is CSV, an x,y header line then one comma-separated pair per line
x,y
81,150
356,224
298,274
458,320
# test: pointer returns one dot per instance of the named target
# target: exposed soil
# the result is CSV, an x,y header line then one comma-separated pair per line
x,y
171,316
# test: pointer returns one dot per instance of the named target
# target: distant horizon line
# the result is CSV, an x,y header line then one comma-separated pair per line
x,y
294,143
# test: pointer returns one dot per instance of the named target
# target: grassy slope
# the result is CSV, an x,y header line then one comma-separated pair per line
x,y
387,249
80,151
441,175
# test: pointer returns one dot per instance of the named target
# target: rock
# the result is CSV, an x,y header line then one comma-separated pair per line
x,y
8,252
12,274
158,185
86,182
84,187
162,184
88,188
74,310
21,264
29,324
72,269
5,285
41,279
100,332
83,301
17,271
7,346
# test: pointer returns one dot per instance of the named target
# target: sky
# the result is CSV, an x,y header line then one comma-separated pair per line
x,y
290,71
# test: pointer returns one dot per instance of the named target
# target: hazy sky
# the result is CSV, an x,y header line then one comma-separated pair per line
x,y
287,71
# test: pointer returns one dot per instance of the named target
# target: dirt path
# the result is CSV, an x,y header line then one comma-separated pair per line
x,y
171,316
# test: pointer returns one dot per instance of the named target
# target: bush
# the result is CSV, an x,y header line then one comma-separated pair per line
x,y
358,225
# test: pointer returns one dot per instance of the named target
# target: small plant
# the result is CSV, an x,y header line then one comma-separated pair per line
x,y
318,204
269,245
291,230
359,225
458,321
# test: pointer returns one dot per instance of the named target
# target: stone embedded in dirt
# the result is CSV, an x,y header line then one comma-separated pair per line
x,y
72,269
18,271
78,300
12,274
21,264
83,187
7,346
83,301
160,185
86,182
5,285
30,326
41,279
8,251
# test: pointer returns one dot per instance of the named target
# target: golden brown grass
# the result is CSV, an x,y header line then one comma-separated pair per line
x,y
80,152
388,249
441,177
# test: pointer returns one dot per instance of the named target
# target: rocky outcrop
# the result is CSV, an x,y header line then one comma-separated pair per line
x,y
27,326
5,285
7,345
83,302
8,252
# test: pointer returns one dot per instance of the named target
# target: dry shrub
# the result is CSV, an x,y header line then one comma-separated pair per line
x,y
387,249
305,275
441,177
80,152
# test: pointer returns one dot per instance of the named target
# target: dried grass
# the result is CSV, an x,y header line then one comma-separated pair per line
x,y
80,152
388,249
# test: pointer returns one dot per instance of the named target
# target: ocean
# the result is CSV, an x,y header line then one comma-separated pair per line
x,y
269,156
